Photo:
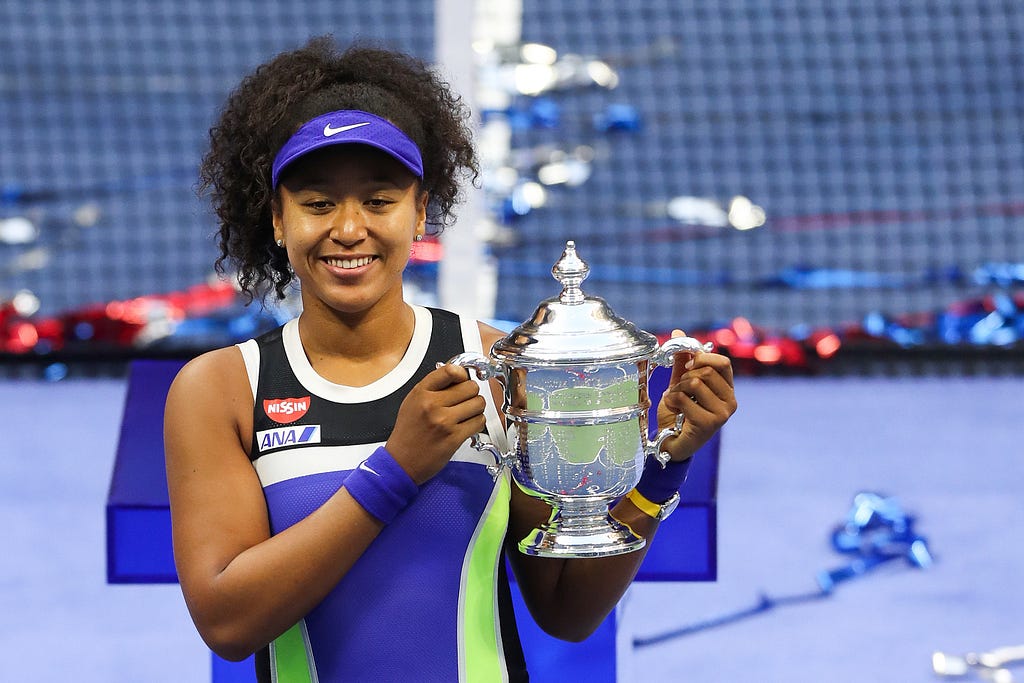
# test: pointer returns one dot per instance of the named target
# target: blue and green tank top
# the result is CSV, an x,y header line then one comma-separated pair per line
x,y
429,599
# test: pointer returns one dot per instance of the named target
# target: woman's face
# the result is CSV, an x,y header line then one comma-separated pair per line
x,y
348,215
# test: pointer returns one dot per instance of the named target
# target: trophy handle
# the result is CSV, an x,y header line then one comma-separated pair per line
x,y
666,353
654,449
484,369
664,356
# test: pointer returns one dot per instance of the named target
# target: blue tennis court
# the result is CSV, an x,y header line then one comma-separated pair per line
x,y
791,461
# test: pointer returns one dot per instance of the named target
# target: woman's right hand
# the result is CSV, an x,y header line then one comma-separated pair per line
x,y
443,410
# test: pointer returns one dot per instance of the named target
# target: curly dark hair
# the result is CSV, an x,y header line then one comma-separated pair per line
x,y
273,101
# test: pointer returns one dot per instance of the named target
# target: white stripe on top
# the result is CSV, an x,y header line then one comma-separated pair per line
x,y
291,463
378,389
472,342
251,356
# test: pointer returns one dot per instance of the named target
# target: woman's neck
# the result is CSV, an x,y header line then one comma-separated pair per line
x,y
356,349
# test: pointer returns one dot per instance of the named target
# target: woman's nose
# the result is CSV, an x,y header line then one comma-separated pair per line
x,y
349,224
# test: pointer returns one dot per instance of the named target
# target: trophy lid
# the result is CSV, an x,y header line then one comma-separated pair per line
x,y
574,328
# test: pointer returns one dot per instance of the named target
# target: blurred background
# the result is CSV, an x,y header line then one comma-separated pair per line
x,y
820,176
831,191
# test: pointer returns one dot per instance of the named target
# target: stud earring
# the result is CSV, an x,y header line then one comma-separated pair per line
x,y
419,237
280,243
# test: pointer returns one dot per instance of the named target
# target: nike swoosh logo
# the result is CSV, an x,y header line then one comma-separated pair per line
x,y
328,131
364,466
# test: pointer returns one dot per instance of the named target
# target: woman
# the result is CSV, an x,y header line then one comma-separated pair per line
x,y
328,512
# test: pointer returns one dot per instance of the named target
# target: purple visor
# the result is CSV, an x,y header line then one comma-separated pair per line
x,y
347,127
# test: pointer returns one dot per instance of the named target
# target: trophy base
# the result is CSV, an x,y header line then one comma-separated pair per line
x,y
595,536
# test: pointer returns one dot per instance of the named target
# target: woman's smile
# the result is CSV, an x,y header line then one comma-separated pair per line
x,y
348,265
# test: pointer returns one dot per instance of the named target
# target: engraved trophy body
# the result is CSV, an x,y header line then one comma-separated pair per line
x,y
576,403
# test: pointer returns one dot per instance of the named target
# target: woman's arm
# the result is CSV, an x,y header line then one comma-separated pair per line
x,y
570,598
244,587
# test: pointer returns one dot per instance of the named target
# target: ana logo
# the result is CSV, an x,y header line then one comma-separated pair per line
x,y
285,410
287,436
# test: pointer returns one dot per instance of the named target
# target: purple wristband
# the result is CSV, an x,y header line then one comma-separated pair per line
x,y
381,486
658,485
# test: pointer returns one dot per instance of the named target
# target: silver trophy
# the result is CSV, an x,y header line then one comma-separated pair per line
x,y
575,398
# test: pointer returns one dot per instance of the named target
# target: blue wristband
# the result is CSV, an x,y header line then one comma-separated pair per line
x,y
381,486
658,485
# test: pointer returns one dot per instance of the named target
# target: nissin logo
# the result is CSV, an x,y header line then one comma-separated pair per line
x,y
287,436
285,410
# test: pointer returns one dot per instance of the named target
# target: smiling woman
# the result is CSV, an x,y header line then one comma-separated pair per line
x,y
334,451
348,217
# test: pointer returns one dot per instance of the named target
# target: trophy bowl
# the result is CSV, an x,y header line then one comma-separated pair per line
x,y
574,380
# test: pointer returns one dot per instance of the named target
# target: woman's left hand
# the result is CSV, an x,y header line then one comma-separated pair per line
x,y
701,388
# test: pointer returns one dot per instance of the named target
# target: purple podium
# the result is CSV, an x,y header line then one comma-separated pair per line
x,y
139,532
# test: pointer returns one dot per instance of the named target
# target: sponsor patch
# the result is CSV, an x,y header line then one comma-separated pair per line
x,y
287,436
285,410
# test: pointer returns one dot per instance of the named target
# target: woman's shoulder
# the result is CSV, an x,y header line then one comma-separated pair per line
x,y
221,371
211,395
489,334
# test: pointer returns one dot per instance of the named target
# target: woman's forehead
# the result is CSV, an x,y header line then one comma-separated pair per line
x,y
353,162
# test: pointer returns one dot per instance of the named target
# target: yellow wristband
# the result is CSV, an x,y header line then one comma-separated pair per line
x,y
645,506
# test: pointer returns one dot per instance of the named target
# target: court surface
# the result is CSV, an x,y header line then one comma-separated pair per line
x,y
792,459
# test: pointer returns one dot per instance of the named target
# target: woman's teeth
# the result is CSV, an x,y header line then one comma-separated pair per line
x,y
349,263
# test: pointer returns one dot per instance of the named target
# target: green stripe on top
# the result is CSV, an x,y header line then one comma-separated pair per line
x,y
289,657
483,659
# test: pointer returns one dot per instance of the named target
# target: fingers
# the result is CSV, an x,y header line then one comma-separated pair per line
x,y
704,395
467,410
680,360
684,361
453,392
709,365
708,383
445,375
443,410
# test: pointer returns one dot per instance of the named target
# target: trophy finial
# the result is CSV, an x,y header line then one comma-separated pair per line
x,y
571,271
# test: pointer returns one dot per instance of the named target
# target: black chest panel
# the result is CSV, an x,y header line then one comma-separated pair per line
x,y
280,392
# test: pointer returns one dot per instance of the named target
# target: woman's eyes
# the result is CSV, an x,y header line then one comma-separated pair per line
x,y
326,204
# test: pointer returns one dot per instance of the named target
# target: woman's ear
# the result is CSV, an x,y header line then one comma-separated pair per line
x,y
275,218
421,212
